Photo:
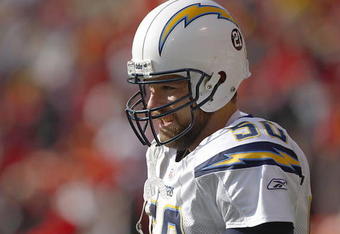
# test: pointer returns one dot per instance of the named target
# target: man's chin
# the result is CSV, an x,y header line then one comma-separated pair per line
x,y
175,145
163,137
186,140
179,144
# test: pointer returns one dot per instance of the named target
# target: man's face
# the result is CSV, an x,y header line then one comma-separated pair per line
x,y
173,124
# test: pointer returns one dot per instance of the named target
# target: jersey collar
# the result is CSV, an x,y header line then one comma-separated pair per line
x,y
235,116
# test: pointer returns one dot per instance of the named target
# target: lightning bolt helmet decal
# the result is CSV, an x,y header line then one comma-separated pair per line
x,y
188,15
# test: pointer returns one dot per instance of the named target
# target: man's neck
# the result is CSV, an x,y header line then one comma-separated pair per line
x,y
217,121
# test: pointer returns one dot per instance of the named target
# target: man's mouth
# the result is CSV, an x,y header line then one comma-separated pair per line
x,y
166,121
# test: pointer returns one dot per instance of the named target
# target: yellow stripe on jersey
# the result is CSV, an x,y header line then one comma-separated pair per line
x,y
253,154
280,157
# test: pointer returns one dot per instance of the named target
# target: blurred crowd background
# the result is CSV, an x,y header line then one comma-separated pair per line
x,y
69,162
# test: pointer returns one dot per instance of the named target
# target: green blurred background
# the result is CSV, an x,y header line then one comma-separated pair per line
x,y
69,163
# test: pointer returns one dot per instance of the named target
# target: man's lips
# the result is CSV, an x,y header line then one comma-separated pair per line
x,y
166,121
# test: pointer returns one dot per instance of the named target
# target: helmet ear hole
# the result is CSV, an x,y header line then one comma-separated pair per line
x,y
212,82
223,77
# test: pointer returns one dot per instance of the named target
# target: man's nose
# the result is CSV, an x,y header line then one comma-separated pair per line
x,y
155,100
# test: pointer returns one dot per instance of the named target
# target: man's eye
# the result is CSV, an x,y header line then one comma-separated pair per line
x,y
168,88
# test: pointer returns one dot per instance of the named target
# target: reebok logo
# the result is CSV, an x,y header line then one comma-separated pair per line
x,y
276,184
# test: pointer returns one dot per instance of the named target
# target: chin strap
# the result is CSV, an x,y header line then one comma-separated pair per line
x,y
153,186
139,222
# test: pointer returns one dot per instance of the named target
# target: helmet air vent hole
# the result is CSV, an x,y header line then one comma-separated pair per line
x,y
223,77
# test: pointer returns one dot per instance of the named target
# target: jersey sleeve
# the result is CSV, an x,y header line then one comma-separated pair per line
x,y
255,183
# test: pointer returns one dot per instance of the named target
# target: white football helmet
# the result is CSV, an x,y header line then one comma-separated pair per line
x,y
196,39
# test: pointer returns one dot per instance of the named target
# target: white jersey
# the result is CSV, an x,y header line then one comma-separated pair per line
x,y
248,173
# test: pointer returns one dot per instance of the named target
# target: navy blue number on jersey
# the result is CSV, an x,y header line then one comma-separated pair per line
x,y
246,130
171,218
274,131
250,130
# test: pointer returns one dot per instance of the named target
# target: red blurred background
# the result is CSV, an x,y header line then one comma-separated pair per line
x,y
69,162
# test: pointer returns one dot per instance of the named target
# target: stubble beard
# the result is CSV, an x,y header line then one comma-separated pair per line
x,y
184,142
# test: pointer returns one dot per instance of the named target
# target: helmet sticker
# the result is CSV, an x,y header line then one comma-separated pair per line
x,y
188,15
140,67
236,38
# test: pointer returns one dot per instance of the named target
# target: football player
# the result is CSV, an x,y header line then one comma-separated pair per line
x,y
211,168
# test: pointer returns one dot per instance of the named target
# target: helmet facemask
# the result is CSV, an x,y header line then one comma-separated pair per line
x,y
141,118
